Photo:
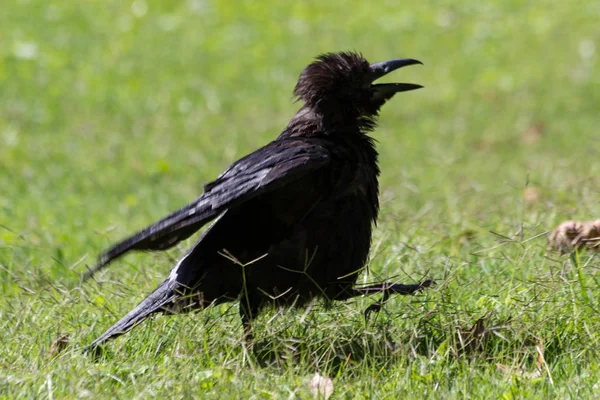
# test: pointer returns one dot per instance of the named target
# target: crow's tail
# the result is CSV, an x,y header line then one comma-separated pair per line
x,y
162,295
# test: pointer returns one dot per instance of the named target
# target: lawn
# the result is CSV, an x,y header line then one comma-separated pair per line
x,y
113,114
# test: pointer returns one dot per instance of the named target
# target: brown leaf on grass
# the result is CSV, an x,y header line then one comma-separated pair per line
x,y
484,145
540,365
540,361
533,134
474,338
576,235
531,195
467,237
59,345
320,386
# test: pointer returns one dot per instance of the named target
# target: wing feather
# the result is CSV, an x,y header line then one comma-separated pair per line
x,y
277,164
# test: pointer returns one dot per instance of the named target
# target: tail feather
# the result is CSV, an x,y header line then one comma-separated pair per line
x,y
162,295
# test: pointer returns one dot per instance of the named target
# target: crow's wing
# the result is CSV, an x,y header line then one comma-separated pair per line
x,y
268,168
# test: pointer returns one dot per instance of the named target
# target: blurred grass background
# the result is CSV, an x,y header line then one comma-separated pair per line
x,y
113,113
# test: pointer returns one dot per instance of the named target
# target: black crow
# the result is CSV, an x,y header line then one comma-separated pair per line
x,y
292,220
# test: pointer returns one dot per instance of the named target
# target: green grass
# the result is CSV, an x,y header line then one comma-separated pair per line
x,y
114,113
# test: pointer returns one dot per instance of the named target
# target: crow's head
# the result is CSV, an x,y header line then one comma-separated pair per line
x,y
342,84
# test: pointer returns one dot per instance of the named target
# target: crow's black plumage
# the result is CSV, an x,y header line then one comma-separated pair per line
x,y
294,218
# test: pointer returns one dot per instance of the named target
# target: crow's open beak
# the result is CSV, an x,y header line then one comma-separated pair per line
x,y
383,68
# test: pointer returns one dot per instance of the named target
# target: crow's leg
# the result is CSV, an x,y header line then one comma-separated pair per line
x,y
376,307
387,288
249,308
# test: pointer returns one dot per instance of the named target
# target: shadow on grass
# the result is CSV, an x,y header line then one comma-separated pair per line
x,y
334,344
350,350
345,349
